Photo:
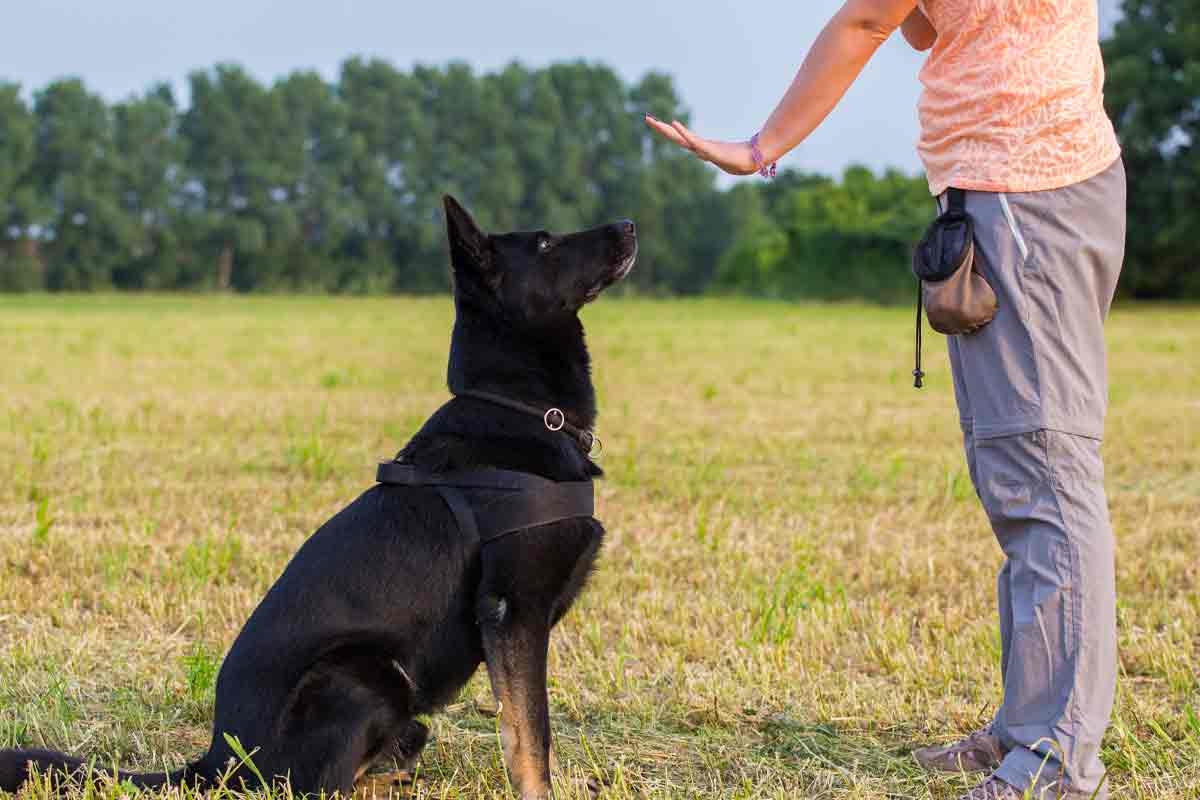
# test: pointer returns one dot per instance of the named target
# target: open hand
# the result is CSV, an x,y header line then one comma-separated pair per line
x,y
732,157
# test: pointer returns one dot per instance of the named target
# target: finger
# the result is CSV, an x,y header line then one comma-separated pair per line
x,y
667,132
694,142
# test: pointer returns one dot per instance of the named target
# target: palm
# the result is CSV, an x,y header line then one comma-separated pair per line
x,y
732,157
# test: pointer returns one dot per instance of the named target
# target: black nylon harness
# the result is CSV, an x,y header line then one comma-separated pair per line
x,y
490,504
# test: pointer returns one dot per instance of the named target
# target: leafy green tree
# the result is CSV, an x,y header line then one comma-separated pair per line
x,y
462,145
829,240
1153,96
237,195
758,252
21,209
314,152
149,181
394,236
683,230
76,168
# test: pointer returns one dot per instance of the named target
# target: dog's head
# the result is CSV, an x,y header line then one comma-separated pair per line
x,y
536,279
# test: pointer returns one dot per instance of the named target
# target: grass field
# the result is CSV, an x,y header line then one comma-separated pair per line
x,y
797,586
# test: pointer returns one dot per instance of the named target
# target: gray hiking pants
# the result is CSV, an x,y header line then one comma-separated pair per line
x,y
1032,394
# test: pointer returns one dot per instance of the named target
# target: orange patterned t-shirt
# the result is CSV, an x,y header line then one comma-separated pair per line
x,y
1014,96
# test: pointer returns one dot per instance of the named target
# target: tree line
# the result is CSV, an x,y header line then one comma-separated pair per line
x,y
311,185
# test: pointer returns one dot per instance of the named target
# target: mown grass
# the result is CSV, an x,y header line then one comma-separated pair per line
x,y
797,586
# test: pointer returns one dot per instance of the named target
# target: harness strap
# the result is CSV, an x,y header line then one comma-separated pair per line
x,y
460,508
516,511
504,501
401,474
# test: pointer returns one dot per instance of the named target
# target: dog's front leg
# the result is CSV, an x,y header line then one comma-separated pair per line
x,y
515,649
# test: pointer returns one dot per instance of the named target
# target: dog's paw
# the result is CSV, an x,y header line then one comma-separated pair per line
x,y
578,787
376,785
534,790
407,745
402,753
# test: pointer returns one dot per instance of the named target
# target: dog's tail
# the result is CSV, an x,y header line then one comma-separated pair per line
x,y
16,766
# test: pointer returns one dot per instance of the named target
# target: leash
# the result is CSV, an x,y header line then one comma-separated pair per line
x,y
515,500
553,418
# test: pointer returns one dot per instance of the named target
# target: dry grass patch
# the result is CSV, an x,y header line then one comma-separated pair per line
x,y
797,588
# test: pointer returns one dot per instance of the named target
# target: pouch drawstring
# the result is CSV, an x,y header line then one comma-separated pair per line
x,y
918,374
956,200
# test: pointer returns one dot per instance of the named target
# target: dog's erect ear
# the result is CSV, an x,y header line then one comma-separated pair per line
x,y
468,245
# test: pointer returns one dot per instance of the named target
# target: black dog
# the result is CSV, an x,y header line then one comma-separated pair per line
x,y
389,608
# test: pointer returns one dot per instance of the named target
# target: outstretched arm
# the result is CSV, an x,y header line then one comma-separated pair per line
x,y
837,57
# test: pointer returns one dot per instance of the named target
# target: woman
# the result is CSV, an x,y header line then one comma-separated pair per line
x,y
1012,113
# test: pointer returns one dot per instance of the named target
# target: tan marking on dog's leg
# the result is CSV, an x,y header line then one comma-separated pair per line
x,y
516,668
527,768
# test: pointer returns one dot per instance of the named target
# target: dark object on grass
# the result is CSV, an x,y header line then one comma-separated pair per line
x,y
390,607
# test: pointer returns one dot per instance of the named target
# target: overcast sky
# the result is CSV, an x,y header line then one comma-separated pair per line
x,y
731,59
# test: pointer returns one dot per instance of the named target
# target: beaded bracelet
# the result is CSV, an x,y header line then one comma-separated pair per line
x,y
766,170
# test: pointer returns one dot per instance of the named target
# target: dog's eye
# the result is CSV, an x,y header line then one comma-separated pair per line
x,y
544,243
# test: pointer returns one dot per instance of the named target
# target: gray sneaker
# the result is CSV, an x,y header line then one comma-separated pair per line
x,y
995,789
979,752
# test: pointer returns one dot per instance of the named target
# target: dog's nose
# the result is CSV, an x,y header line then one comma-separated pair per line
x,y
627,227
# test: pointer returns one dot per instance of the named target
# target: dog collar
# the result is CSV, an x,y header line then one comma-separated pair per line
x,y
553,418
